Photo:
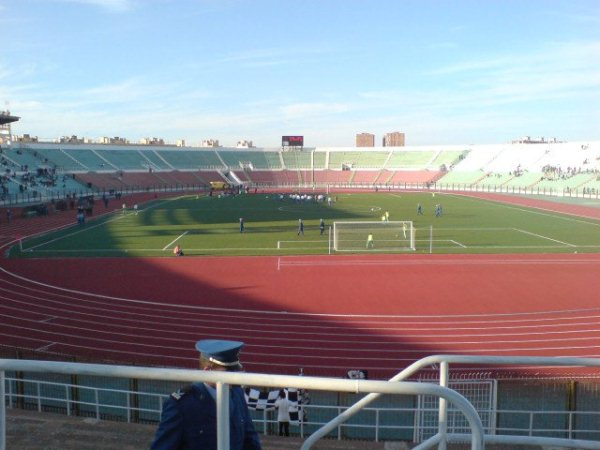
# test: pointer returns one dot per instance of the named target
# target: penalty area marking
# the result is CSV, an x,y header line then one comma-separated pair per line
x,y
297,242
86,228
544,237
458,243
175,240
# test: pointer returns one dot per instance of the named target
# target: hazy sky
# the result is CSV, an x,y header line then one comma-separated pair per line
x,y
443,72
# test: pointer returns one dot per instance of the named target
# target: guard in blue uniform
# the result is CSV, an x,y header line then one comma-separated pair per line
x,y
188,420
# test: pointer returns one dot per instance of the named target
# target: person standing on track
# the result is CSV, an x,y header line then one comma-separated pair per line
x,y
283,413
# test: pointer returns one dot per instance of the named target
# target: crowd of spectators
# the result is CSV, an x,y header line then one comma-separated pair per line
x,y
558,173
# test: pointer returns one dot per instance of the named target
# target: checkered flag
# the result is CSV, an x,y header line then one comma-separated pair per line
x,y
265,401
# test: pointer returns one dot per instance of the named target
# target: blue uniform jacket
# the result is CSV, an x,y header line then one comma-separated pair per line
x,y
189,422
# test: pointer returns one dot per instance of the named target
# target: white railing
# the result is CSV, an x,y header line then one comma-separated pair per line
x,y
43,395
224,379
375,389
444,361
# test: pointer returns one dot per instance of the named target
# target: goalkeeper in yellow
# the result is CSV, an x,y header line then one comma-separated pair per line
x,y
370,242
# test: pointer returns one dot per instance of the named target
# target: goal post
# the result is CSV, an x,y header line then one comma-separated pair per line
x,y
357,236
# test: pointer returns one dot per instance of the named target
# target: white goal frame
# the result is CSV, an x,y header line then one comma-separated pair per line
x,y
388,233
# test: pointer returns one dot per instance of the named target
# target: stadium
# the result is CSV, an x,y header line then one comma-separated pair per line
x,y
479,250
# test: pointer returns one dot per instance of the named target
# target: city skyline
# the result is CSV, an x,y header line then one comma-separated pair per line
x,y
441,72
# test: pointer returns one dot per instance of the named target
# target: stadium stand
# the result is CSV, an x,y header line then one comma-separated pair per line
x,y
62,160
273,177
332,176
158,162
126,159
416,176
191,159
551,168
255,159
319,160
357,159
295,160
102,181
88,158
365,176
410,159
523,180
463,177
447,159
22,159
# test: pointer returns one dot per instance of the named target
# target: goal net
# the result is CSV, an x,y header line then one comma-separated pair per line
x,y
381,236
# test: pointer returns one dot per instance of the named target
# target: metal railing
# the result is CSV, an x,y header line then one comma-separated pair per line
x,y
223,381
375,388
110,403
444,361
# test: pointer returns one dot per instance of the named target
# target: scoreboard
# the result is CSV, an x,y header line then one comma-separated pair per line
x,y
292,141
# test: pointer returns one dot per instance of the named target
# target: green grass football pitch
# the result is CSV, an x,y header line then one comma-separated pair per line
x,y
210,226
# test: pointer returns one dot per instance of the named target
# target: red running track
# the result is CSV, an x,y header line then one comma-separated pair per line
x,y
323,314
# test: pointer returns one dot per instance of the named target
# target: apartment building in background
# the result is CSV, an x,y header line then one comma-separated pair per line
x,y
365,140
394,139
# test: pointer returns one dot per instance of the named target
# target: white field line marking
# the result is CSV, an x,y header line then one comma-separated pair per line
x,y
543,237
175,240
470,229
270,249
535,210
458,334
117,217
402,262
48,319
460,339
271,313
297,242
448,329
158,250
440,323
45,347
82,230
458,243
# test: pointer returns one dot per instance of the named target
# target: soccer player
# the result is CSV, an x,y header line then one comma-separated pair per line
x,y
387,216
300,227
322,226
370,243
404,227
419,209
241,224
